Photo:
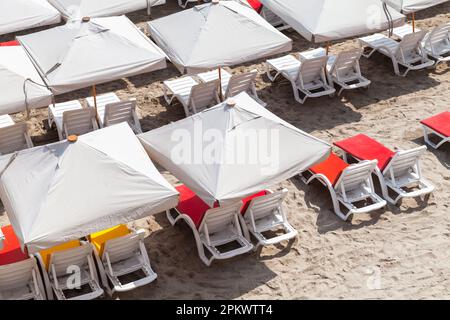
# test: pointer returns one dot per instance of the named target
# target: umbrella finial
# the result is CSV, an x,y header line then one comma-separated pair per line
x,y
72,138
215,1
86,19
231,102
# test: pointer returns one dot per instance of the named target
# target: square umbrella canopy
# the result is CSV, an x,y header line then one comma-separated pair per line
x,y
67,190
410,6
327,20
217,34
17,15
87,52
233,150
22,87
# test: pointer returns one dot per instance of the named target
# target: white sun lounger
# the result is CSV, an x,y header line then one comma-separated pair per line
x,y
401,32
219,227
439,126
111,110
407,53
71,118
345,71
353,185
308,75
437,43
71,269
123,256
21,281
266,213
195,97
13,136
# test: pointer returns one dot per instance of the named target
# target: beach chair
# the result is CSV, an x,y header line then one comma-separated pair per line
x,y
310,78
216,229
439,126
13,136
273,19
399,172
402,31
111,110
195,97
69,270
346,72
265,214
71,118
437,43
407,53
348,185
122,255
21,281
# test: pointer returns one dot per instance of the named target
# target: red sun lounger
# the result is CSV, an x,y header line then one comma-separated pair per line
x,y
397,171
439,125
11,252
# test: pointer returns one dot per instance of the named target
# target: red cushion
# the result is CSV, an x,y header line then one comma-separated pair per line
x,y
439,123
11,251
9,43
330,168
363,147
255,5
246,201
190,204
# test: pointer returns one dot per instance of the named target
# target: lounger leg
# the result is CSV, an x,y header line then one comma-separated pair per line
x,y
426,135
269,73
166,96
296,95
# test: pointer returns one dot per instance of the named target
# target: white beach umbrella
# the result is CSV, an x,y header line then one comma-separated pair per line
x,y
217,34
87,52
233,150
76,9
327,20
63,191
411,6
17,15
22,87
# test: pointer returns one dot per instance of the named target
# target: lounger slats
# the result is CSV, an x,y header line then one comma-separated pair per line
x,y
14,138
122,248
312,69
62,260
204,95
79,121
240,83
16,275
216,219
266,205
119,112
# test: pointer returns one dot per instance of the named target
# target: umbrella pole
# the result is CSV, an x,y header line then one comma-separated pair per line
x,y
414,22
94,95
220,84
328,47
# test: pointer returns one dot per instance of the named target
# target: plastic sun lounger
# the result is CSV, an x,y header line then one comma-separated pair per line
x,y
111,110
120,251
13,136
407,53
67,267
437,43
309,75
397,171
212,227
19,275
347,184
438,125
401,32
194,96
264,212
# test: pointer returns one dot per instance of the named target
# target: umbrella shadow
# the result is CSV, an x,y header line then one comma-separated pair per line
x,y
442,154
182,275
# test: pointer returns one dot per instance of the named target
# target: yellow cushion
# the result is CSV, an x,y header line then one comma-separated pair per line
x,y
98,239
45,254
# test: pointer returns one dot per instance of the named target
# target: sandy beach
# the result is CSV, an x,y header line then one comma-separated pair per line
x,y
400,252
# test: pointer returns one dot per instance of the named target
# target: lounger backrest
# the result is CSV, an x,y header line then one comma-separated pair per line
x,y
62,260
79,121
118,112
264,206
354,175
17,274
203,95
313,69
347,63
404,161
14,138
240,83
218,218
123,247
410,43
439,36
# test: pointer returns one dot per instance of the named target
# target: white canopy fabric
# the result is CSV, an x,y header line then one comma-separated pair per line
x,y
327,20
63,191
212,35
226,153
22,87
410,6
76,9
17,15
80,54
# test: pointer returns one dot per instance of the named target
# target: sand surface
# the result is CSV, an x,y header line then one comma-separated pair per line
x,y
400,252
